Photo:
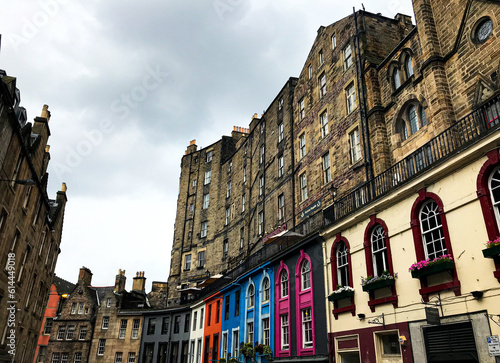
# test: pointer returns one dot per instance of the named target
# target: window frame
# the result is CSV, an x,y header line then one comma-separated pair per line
x,y
350,95
322,85
335,281
303,186
355,145
347,57
423,197
325,161
323,121
302,145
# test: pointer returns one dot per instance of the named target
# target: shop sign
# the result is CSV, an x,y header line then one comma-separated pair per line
x,y
312,208
199,277
432,316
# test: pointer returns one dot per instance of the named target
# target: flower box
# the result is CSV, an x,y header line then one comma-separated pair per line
x,y
433,269
491,252
341,295
379,284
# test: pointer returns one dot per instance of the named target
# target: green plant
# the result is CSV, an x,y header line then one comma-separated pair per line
x,y
247,350
233,360
222,360
267,351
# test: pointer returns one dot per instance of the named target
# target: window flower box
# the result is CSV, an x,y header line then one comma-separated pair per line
x,y
431,267
492,249
343,292
379,284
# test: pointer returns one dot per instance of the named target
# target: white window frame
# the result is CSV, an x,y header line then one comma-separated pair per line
x,y
281,207
309,71
251,296
261,223
429,215
355,145
305,275
123,329
266,290
209,156
379,248
105,322
284,284
206,200
261,185
187,262
327,176
303,186
201,261
118,357
350,95
281,166
323,120
285,331
208,177
307,329
135,328
281,131
322,85
266,330
347,56
302,145
334,41
203,229
302,109
101,347
321,57
228,191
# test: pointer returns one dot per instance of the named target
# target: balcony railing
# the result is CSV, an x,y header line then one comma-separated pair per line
x,y
467,131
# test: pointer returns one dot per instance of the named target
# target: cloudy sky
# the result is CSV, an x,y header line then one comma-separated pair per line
x,y
129,84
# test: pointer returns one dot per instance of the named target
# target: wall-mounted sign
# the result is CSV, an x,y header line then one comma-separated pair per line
x,y
280,229
199,277
312,208
493,345
432,316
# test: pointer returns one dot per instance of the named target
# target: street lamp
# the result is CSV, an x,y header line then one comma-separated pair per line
x,y
20,181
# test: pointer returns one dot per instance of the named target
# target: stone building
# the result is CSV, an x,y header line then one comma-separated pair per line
x,y
30,224
232,195
72,329
394,158
119,322
59,291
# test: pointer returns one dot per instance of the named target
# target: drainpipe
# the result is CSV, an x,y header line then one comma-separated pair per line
x,y
362,106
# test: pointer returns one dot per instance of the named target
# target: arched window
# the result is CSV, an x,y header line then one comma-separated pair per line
x,y
432,239
284,283
396,78
342,265
266,289
408,66
432,230
378,263
305,275
411,119
251,295
379,251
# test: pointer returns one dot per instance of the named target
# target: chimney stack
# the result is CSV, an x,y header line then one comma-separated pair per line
x,y
159,286
85,276
120,281
139,283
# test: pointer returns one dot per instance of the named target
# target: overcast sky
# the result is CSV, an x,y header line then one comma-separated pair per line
x,y
129,84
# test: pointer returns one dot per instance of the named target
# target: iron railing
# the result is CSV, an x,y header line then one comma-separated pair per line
x,y
465,132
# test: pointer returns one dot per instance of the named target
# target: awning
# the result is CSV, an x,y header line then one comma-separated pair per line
x,y
284,237
210,280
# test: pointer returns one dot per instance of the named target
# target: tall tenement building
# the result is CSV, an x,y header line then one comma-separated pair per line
x,y
30,224
232,194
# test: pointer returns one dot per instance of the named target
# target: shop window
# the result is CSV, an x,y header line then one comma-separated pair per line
x,y
283,307
304,305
